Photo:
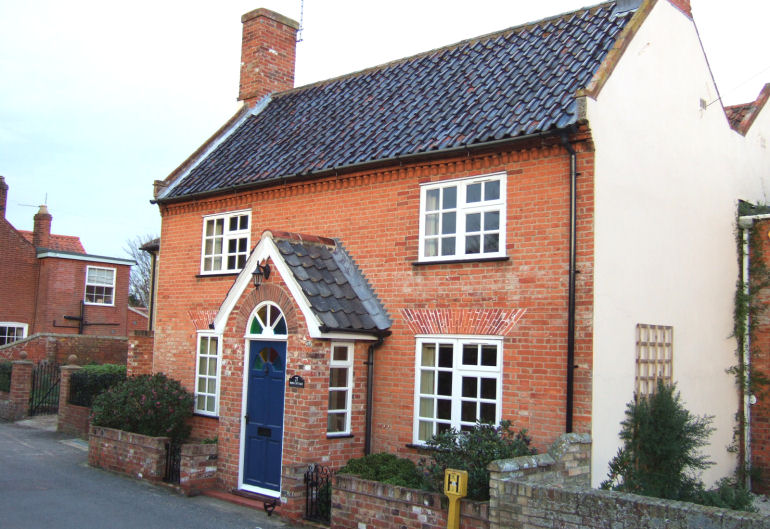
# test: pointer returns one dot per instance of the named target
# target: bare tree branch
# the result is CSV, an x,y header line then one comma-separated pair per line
x,y
141,273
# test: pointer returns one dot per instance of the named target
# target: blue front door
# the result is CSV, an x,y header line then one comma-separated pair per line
x,y
264,415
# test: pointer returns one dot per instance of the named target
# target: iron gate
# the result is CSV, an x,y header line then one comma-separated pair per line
x,y
44,396
173,462
318,494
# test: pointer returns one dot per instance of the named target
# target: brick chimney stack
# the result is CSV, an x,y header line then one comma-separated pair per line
x,y
268,51
41,232
3,197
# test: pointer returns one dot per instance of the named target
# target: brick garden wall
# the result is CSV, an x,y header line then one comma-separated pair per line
x,y
14,404
372,505
198,467
137,455
58,347
139,357
72,419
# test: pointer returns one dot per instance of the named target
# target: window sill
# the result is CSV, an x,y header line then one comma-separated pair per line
x,y
461,261
98,304
206,415
339,436
218,274
419,447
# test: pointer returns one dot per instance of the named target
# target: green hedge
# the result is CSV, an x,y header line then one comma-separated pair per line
x,y
91,380
5,376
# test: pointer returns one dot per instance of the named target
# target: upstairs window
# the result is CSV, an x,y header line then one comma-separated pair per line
x,y
225,242
100,286
11,332
463,219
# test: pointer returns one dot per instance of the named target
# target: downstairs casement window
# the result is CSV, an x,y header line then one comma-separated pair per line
x,y
458,384
207,375
225,242
340,389
463,219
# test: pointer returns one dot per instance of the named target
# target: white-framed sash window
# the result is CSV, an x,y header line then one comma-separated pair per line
x,y
100,286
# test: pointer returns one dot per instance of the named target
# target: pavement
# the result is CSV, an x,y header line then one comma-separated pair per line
x,y
45,482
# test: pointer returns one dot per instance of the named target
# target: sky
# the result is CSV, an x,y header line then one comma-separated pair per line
x,y
98,99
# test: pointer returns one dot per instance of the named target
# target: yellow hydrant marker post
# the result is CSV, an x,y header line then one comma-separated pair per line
x,y
455,487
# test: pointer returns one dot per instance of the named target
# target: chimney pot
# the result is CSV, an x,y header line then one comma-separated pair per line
x,y
41,232
3,196
268,51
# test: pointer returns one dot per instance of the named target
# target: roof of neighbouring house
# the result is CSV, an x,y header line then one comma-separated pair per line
x,y
338,292
742,116
505,85
60,243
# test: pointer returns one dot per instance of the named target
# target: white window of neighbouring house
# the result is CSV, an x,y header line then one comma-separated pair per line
x,y
207,375
463,219
340,389
654,357
458,383
12,331
100,286
225,242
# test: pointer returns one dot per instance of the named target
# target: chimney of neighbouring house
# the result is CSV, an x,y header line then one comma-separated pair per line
x,y
41,232
3,196
683,6
268,50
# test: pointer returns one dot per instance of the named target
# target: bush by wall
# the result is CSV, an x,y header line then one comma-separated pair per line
x,y
386,468
152,405
91,380
473,450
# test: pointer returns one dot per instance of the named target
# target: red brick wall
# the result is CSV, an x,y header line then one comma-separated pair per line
x,y
197,467
760,345
18,276
376,215
58,348
139,360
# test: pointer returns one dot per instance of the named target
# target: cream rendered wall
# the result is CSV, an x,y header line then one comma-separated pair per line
x,y
669,171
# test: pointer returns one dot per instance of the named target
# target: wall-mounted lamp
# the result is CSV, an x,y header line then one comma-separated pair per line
x,y
261,272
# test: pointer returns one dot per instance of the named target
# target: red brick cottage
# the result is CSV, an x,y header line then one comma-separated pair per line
x,y
357,264
51,289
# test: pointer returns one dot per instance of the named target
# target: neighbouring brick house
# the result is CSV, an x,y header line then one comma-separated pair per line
x,y
504,228
56,299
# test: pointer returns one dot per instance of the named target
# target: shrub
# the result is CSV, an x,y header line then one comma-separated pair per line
x,y
91,380
660,454
386,468
472,451
728,494
153,405
5,376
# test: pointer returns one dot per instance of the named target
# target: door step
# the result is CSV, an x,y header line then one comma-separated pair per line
x,y
245,499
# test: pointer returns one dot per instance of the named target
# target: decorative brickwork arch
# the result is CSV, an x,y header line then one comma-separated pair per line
x,y
490,322
266,292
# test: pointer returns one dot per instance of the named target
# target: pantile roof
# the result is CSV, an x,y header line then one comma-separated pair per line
x,y
60,243
338,293
505,85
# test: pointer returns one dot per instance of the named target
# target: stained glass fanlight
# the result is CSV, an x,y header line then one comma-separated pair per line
x,y
268,320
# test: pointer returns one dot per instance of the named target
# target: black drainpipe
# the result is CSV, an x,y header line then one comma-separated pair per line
x,y
370,394
572,272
